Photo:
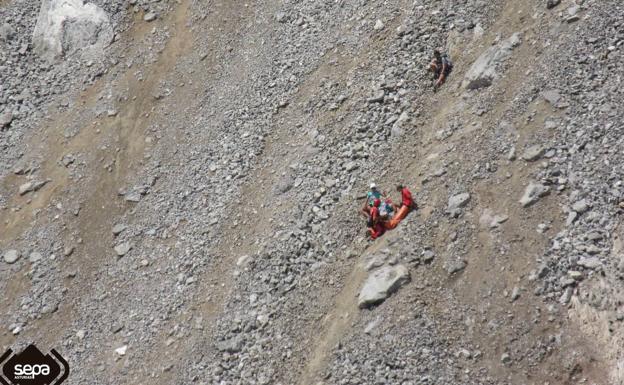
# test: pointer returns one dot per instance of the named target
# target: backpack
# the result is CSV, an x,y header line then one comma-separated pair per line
x,y
448,62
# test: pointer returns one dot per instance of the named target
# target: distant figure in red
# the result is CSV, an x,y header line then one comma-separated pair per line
x,y
407,204
377,228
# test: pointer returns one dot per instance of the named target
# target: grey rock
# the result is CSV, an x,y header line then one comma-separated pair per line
x,y
7,32
486,68
428,256
11,256
5,119
123,249
232,345
381,284
398,128
532,193
119,228
581,206
149,16
35,257
66,26
591,263
378,97
533,153
515,293
31,187
550,4
133,196
456,266
566,296
458,200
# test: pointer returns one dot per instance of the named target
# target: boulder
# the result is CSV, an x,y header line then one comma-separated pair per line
x,y
7,32
67,26
399,127
533,153
381,284
487,67
533,193
591,263
123,249
11,256
458,201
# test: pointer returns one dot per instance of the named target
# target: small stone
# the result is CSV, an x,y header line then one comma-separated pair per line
x,y
378,25
81,334
456,266
505,358
456,202
566,296
428,256
149,16
515,293
533,193
5,119
119,228
590,263
133,197
122,350
35,257
575,275
11,256
533,153
550,4
123,248
242,260
580,206
69,250
350,166
233,345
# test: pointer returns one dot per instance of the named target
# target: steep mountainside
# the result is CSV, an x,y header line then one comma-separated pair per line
x,y
180,195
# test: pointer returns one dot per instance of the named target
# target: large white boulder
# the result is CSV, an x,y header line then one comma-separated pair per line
x,y
67,26
381,284
487,67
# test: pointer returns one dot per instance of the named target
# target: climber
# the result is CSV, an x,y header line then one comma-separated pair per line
x,y
370,198
376,228
387,209
441,66
407,204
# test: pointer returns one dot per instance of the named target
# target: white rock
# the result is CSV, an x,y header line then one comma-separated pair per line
x,y
589,263
381,284
122,350
66,26
11,256
35,256
458,201
123,248
487,67
533,193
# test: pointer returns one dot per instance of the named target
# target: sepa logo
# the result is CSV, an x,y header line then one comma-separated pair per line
x,y
31,367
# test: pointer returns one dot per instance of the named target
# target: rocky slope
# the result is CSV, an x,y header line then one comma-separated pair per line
x,y
179,203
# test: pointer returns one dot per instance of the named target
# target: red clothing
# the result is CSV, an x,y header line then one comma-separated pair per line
x,y
377,230
406,195
374,213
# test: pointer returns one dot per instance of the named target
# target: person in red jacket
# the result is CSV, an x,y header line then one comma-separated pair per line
x,y
377,228
407,204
